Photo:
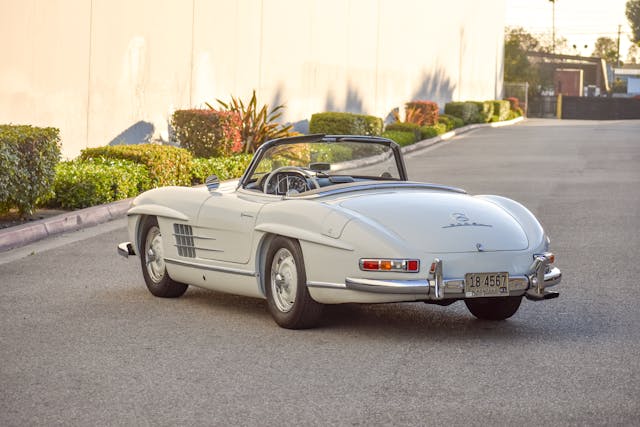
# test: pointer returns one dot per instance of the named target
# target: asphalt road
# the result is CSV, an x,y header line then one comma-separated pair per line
x,y
82,342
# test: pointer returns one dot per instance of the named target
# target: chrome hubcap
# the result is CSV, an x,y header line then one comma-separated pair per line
x,y
284,280
154,255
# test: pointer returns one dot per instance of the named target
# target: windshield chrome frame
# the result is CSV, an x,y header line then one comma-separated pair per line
x,y
395,148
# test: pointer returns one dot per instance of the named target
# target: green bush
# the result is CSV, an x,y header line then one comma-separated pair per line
x,y
470,111
485,111
501,109
427,132
224,167
424,113
406,127
401,137
28,157
208,133
451,122
463,110
345,124
83,183
167,165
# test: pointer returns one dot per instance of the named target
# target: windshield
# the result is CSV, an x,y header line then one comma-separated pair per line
x,y
289,167
366,160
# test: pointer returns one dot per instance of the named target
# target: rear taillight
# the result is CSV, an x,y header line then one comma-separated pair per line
x,y
395,265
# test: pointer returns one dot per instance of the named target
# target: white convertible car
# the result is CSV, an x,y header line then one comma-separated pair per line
x,y
320,220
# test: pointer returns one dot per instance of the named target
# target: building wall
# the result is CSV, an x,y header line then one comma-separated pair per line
x,y
111,71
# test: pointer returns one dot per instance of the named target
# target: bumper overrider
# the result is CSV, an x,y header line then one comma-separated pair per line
x,y
542,275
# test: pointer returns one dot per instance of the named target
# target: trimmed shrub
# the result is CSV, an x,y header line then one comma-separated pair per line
x,y
501,110
485,111
451,122
427,132
224,167
28,157
402,138
424,113
167,165
406,127
83,183
208,133
464,110
332,123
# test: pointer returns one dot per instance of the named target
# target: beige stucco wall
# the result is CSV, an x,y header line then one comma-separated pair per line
x,y
106,71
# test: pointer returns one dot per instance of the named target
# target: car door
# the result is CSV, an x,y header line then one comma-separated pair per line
x,y
225,226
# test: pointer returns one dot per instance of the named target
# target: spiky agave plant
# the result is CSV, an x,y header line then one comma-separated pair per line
x,y
258,125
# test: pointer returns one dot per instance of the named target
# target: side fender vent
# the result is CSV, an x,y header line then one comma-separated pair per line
x,y
184,240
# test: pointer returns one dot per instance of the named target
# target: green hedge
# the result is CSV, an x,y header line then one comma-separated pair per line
x,y
406,127
427,132
167,165
419,132
83,183
450,122
401,137
345,124
224,167
501,110
470,111
208,133
28,157
463,110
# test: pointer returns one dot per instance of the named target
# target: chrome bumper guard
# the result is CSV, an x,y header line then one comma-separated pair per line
x,y
542,275
125,249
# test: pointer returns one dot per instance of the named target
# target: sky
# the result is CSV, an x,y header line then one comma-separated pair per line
x,y
581,22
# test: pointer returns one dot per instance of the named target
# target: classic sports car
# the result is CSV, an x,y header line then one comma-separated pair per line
x,y
321,219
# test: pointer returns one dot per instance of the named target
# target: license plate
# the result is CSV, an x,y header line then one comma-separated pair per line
x,y
486,285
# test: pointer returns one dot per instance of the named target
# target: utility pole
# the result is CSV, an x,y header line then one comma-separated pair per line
x,y
553,26
618,48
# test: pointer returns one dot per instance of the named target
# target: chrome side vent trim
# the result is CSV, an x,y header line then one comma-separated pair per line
x,y
184,240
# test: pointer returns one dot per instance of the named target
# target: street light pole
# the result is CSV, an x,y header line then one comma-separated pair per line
x,y
553,26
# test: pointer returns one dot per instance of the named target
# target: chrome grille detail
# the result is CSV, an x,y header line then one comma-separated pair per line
x,y
184,240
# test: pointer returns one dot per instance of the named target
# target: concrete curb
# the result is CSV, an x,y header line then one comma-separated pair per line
x,y
425,143
24,234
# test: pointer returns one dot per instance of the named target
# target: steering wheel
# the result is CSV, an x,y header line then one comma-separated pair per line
x,y
306,175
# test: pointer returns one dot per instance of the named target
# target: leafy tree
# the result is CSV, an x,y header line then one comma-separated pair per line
x,y
633,15
607,49
518,67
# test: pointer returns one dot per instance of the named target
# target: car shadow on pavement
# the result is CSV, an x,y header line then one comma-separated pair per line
x,y
409,320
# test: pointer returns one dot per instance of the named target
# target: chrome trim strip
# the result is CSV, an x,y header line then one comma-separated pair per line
x,y
326,285
198,248
211,268
347,188
388,286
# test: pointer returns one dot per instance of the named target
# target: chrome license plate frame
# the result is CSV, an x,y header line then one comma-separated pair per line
x,y
479,285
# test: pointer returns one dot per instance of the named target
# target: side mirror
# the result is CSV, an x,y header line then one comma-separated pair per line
x,y
212,182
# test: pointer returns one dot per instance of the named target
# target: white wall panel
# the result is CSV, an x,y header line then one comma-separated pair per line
x,y
110,71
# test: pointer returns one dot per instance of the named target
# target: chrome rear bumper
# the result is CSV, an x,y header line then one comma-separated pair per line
x,y
542,275
125,249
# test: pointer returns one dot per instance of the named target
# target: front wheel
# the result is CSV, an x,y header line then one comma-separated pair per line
x,y
495,308
288,299
154,269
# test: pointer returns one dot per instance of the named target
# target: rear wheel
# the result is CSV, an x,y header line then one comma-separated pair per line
x,y
288,299
154,268
498,308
